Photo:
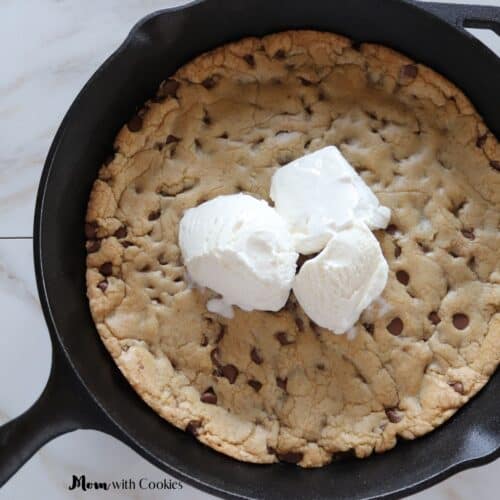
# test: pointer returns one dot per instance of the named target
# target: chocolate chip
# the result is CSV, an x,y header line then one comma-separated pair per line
x,y
154,215
135,123
230,372
103,285
391,229
495,165
255,385
126,244
255,356
395,326
481,140
460,321
423,247
434,318
106,269
224,135
197,143
206,119
281,383
397,251
403,277
369,327
408,71
204,340
121,232
93,246
193,427
91,230
169,88
299,323
209,83
279,54
282,338
458,387
320,366
468,233
291,457
250,60
170,139
393,415
305,81
209,397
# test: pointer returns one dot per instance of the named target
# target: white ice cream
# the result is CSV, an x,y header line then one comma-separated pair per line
x,y
319,194
334,287
239,247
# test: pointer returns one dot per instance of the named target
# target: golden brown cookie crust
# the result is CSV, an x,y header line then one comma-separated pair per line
x,y
269,386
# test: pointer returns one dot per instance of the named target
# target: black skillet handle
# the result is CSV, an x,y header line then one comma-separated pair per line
x,y
465,16
63,406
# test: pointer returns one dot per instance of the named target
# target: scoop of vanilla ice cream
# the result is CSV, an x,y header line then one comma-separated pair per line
x,y
334,287
319,194
239,247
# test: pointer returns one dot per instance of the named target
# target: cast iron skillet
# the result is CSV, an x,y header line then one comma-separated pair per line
x,y
85,389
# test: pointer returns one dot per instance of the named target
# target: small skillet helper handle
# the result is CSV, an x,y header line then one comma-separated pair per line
x,y
63,406
465,16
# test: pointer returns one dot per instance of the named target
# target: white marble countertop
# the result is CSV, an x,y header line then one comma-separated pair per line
x,y
58,45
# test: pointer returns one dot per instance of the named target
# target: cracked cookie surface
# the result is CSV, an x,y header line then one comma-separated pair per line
x,y
263,386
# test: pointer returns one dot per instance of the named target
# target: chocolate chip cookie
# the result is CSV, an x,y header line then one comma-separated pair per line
x,y
265,386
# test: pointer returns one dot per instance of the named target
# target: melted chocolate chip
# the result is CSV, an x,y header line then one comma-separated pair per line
x,y
193,427
393,415
126,244
121,232
408,71
135,123
458,387
106,269
320,366
255,356
169,88
291,457
369,327
281,382
209,397
460,321
279,54
224,135
209,83
391,229
395,326
403,277
154,215
93,246
170,139
434,318
103,285
282,338
255,385
91,230
230,372
468,233
481,140
250,60
397,251
495,165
